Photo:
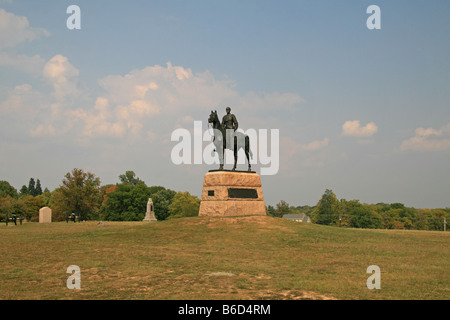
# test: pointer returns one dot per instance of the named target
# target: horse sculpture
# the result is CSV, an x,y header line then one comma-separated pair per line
x,y
241,141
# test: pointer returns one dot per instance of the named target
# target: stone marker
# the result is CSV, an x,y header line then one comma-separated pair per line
x,y
150,214
231,193
45,215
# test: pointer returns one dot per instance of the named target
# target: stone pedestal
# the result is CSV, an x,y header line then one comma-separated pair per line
x,y
232,193
45,215
150,214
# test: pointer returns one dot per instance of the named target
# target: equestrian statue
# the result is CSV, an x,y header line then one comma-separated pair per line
x,y
226,137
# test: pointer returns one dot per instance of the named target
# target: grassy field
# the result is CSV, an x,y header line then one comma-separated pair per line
x,y
220,258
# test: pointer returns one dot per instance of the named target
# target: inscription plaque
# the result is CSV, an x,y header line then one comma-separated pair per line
x,y
242,193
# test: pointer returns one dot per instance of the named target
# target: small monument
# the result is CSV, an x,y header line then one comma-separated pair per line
x,y
45,215
150,214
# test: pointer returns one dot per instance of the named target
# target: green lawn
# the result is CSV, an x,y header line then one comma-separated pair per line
x,y
220,258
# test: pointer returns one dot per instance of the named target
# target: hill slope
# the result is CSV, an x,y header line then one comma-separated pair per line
x,y
221,258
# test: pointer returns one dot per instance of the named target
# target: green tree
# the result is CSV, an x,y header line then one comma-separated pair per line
x,y
271,211
31,207
117,203
362,216
327,209
126,202
32,187
155,189
23,191
282,208
306,210
58,204
130,178
46,198
436,221
397,205
38,189
162,200
184,205
6,190
421,220
5,207
10,206
79,193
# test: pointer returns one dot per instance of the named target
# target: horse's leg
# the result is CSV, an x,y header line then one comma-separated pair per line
x,y
247,149
235,148
222,149
220,152
219,144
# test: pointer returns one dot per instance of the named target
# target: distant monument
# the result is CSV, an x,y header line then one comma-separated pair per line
x,y
45,215
231,192
150,214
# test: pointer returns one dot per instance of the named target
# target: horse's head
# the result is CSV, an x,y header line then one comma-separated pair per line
x,y
213,118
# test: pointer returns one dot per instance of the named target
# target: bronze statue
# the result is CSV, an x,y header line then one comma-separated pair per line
x,y
226,137
229,121
229,126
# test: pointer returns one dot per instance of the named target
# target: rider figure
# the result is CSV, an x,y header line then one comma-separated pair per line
x,y
229,122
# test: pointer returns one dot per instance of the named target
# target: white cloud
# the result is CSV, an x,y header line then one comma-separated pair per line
x,y
128,102
170,88
98,122
295,157
291,147
315,145
23,101
426,140
298,160
43,130
62,75
45,113
32,65
145,103
157,91
353,128
421,132
28,111
16,29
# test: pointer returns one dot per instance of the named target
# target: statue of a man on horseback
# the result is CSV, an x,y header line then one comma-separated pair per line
x,y
226,137
229,126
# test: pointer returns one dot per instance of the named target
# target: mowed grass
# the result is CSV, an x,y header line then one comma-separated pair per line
x,y
220,258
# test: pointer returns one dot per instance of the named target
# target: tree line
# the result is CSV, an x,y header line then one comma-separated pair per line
x,y
329,210
82,193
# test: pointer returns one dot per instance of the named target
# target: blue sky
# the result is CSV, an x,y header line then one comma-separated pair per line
x,y
363,112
